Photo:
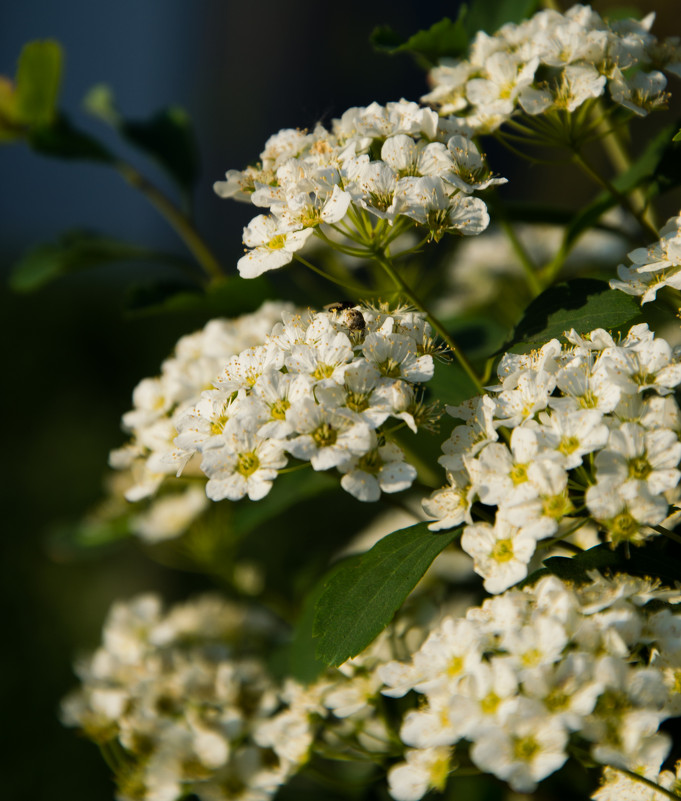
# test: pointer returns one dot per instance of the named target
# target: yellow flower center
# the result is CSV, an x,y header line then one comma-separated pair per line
x,y
247,464
503,551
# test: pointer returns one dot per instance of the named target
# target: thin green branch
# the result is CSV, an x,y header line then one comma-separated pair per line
x,y
177,218
528,265
348,251
354,288
437,325
622,199
617,153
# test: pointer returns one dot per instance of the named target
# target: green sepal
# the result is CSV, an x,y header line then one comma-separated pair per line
x,y
361,596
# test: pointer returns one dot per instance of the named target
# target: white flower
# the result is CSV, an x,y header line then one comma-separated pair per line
x,y
424,770
634,453
500,553
450,505
626,510
431,203
325,439
380,469
272,245
523,751
246,464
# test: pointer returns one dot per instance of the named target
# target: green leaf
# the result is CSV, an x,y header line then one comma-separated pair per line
x,y
302,662
677,137
582,304
75,251
86,539
169,138
62,140
288,490
443,39
37,82
228,297
361,596
647,560
447,39
490,15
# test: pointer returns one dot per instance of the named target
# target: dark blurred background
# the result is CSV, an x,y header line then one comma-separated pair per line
x,y
242,71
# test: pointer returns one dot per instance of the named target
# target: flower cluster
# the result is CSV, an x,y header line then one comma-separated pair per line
x,y
573,434
178,699
393,161
654,267
554,61
320,389
528,671
160,401
183,703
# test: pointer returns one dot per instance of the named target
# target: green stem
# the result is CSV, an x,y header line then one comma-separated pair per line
x,y
356,253
359,221
530,269
623,200
179,221
354,288
437,325
643,780
293,469
402,225
620,159
667,533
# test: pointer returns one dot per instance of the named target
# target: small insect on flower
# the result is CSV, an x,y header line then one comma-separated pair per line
x,y
350,315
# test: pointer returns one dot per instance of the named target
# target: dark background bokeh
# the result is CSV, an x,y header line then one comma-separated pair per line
x,y
242,71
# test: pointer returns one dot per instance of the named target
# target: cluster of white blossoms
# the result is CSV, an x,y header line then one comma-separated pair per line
x,y
654,267
530,672
554,61
146,461
576,434
183,703
320,388
177,699
394,161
